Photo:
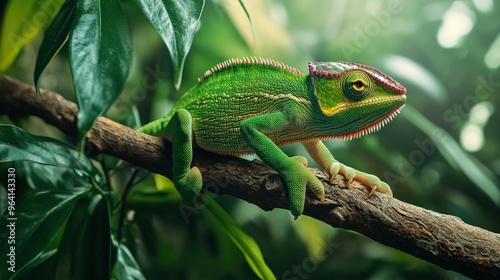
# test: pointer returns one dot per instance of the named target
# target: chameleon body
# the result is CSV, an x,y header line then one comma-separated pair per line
x,y
254,105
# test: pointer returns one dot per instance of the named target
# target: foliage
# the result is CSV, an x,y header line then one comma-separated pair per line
x,y
441,154
16,33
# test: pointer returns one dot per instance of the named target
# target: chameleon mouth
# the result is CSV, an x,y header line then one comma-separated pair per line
x,y
369,129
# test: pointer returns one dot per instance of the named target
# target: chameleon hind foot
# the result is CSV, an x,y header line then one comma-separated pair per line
x,y
189,186
188,181
366,179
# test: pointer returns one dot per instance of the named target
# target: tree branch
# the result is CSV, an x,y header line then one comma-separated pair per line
x,y
440,239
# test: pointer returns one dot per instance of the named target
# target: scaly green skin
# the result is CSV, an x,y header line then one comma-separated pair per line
x,y
255,105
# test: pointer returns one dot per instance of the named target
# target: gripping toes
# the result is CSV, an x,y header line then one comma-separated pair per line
x,y
339,168
374,183
348,172
382,187
366,179
297,179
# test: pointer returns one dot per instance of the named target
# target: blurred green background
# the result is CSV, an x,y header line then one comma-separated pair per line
x,y
441,153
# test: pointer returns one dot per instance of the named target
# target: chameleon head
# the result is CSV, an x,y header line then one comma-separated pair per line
x,y
357,99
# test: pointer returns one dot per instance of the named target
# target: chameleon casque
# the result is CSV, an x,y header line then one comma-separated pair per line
x,y
254,105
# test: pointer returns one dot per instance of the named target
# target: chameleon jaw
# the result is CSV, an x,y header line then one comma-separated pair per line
x,y
369,129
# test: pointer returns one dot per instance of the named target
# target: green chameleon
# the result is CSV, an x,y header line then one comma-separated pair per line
x,y
254,105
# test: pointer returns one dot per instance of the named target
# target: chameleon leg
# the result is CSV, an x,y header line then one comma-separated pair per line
x,y
324,158
293,169
187,180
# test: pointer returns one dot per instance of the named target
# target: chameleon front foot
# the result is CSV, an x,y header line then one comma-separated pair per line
x,y
297,178
366,179
314,185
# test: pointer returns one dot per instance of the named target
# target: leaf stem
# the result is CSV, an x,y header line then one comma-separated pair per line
x,y
128,187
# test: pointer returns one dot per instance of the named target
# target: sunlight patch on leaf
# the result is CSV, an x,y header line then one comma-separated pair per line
x,y
22,22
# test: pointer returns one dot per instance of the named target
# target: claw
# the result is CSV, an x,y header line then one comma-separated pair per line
x,y
349,173
322,197
350,177
349,180
332,179
295,218
372,191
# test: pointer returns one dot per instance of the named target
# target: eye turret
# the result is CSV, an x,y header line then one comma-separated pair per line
x,y
356,85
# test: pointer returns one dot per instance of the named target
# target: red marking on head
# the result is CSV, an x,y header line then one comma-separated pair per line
x,y
337,69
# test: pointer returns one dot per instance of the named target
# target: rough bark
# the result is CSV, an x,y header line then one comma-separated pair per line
x,y
440,239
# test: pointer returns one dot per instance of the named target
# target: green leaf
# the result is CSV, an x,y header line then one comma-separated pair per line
x,y
85,248
54,38
481,176
247,14
101,55
126,267
66,260
247,245
22,22
37,217
17,144
48,177
42,268
95,253
176,21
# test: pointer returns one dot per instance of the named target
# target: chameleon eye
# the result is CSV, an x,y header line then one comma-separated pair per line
x,y
356,85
